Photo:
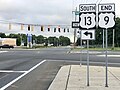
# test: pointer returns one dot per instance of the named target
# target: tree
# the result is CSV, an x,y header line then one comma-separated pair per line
x,y
117,32
78,42
40,39
98,37
34,38
64,41
24,39
2,35
53,40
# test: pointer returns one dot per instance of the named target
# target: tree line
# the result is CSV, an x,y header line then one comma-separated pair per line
x,y
54,41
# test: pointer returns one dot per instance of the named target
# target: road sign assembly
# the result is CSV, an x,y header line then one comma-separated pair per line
x,y
87,21
106,20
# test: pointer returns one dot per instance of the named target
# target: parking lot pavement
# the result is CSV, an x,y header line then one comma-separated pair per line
x,y
73,77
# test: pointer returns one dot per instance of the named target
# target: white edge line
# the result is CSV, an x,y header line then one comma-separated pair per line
x,y
3,51
6,71
109,56
13,81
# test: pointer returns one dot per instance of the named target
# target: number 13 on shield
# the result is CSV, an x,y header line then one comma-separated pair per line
x,y
88,20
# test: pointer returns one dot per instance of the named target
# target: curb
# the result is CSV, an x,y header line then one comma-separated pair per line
x,y
61,79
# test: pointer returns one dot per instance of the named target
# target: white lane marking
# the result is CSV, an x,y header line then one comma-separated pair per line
x,y
85,51
109,55
7,71
3,51
10,83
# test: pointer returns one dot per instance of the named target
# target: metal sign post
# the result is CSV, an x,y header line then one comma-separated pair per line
x,y
113,39
106,20
106,61
103,38
80,43
75,25
75,29
81,48
87,62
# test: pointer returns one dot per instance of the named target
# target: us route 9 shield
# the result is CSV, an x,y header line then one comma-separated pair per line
x,y
106,20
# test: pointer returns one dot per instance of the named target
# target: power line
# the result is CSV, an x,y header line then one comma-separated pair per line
x,y
20,23
98,1
86,1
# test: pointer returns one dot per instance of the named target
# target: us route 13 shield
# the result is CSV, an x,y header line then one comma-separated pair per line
x,y
87,20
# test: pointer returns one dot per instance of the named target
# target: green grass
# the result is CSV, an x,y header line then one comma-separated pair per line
x,y
116,49
25,47
98,49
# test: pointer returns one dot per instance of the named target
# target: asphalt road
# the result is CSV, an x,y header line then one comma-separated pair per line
x,y
21,65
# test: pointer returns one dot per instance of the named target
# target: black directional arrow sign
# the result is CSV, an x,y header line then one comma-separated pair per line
x,y
88,34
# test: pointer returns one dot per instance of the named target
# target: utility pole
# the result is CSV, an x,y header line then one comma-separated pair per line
x,y
106,61
103,38
113,38
21,39
75,28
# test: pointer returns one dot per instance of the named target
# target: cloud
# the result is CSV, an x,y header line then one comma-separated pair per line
x,y
42,12
46,12
36,11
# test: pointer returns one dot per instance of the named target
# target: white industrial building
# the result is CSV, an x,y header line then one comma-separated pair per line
x,y
8,41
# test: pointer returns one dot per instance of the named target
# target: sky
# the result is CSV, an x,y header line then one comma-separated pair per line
x,y
43,12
